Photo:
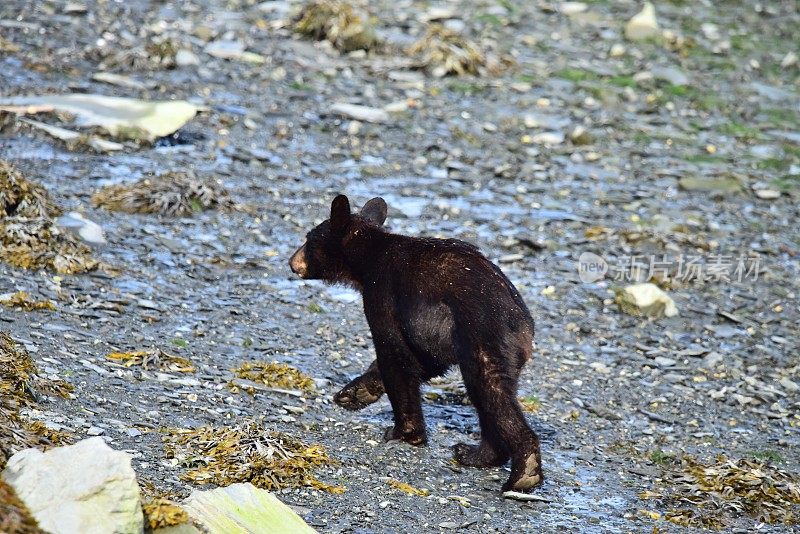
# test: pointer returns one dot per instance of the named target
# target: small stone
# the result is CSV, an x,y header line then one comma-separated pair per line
x,y
711,359
580,136
186,58
510,258
548,138
710,31
789,59
525,497
767,194
617,50
643,25
353,127
74,8
663,361
646,299
396,107
224,49
88,231
361,113
573,8
789,385
95,431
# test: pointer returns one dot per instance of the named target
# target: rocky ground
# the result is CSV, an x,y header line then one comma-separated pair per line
x,y
567,138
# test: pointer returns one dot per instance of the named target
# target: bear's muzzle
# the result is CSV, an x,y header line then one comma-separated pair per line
x,y
298,262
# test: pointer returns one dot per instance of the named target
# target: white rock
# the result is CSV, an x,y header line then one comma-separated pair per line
x,y
243,509
573,8
643,25
150,119
87,230
519,496
438,13
224,49
617,50
548,138
646,299
186,58
360,113
710,31
396,107
767,194
789,59
87,487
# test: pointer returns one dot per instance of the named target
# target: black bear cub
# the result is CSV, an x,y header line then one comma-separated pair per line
x,y
430,304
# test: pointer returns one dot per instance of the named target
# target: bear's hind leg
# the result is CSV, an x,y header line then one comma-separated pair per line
x,y
491,452
503,427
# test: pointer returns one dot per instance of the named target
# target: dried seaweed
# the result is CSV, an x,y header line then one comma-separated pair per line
x,y
15,518
161,512
275,375
246,453
175,194
340,23
408,488
712,495
18,384
153,359
442,51
23,301
28,236
21,198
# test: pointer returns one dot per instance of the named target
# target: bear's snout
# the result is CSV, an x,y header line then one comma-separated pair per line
x,y
298,262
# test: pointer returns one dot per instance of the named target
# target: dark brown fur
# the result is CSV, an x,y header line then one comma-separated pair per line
x,y
431,304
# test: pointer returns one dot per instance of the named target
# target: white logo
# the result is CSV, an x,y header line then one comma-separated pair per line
x,y
591,267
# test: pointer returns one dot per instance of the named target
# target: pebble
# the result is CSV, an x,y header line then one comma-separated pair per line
x,y
789,385
186,58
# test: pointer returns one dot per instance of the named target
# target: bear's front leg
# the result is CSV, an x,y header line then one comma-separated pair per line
x,y
396,364
361,391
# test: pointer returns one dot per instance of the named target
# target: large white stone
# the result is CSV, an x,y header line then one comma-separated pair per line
x,y
646,299
87,487
243,509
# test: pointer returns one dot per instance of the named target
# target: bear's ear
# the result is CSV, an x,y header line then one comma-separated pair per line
x,y
340,214
375,211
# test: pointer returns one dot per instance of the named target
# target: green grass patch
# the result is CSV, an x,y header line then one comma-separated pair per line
x,y
660,457
489,18
787,183
767,455
180,342
773,164
313,307
300,86
465,88
740,131
704,158
527,78
575,75
622,81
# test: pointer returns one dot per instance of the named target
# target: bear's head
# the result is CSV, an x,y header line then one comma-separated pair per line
x,y
324,255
